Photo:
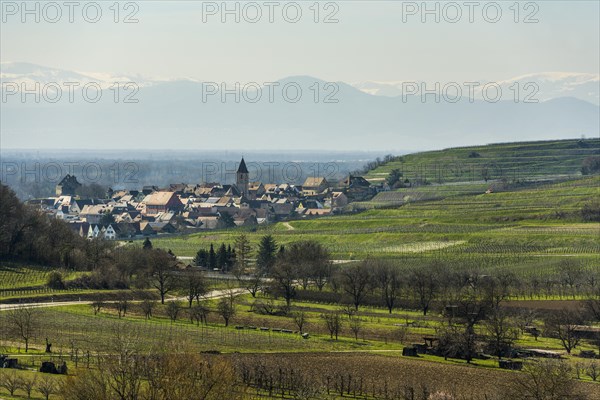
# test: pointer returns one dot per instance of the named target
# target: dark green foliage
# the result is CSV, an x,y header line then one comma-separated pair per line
x,y
147,244
222,258
394,178
226,220
55,281
267,251
107,219
212,257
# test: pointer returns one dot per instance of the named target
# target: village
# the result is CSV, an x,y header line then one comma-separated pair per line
x,y
184,208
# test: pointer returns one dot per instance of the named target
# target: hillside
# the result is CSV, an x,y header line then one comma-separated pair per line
x,y
539,226
512,161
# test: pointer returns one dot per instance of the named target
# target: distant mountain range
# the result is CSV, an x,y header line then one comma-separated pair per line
x,y
189,114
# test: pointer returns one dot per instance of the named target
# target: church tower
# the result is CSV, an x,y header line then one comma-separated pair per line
x,y
242,178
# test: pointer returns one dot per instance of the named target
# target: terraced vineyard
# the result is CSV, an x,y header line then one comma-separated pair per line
x,y
513,161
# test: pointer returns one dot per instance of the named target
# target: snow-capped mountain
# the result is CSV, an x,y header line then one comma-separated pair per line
x,y
550,85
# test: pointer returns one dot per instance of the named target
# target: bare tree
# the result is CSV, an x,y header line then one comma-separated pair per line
x,y
284,275
162,272
333,322
122,305
592,307
299,318
122,362
226,309
356,280
593,370
355,324
199,313
571,274
47,386
28,384
10,381
563,325
173,310
147,306
543,380
195,286
496,289
426,285
97,305
502,332
24,321
254,282
387,279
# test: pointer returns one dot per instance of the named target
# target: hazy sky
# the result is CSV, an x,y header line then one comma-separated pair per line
x,y
370,41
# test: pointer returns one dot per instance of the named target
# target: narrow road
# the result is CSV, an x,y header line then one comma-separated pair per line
x,y
215,294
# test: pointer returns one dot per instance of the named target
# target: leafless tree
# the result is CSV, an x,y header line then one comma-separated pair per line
x,y
501,330
147,307
97,305
173,310
10,381
544,380
162,272
387,279
593,370
47,386
24,321
195,286
355,324
563,325
226,309
356,280
426,284
299,318
333,322
28,384
198,313
122,305
284,278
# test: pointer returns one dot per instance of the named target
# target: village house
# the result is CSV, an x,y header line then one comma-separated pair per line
x,y
157,202
67,186
182,207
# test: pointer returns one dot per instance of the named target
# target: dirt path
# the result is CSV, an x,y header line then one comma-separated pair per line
x,y
288,226
215,294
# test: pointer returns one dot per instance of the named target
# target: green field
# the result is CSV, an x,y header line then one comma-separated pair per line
x,y
529,230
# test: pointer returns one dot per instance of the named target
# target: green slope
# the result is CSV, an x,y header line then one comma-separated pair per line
x,y
512,161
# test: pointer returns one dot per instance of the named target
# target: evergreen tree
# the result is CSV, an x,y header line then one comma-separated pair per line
x,y
201,258
147,244
230,257
222,258
212,257
267,250
242,250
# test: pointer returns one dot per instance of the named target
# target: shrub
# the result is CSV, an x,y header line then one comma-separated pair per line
x,y
55,281
590,165
591,211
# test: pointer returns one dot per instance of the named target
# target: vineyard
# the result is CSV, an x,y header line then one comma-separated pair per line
x,y
511,161
537,224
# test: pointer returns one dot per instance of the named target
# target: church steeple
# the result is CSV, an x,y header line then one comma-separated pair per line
x,y
242,168
242,178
